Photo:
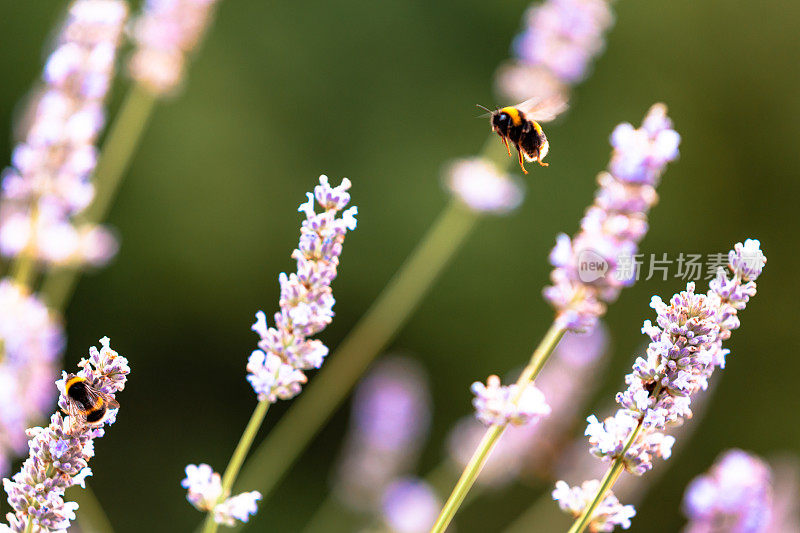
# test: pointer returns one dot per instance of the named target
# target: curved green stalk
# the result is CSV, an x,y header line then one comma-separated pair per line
x,y
495,431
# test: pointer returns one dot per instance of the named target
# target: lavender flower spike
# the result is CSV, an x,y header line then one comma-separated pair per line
x,y
596,264
556,47
685,348
494,403
49,180
204,491
165,33
31,340
736,491
60,452
306,302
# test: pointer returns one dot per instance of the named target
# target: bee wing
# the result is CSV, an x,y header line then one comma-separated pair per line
x,y
543,109
111,402
95,394
75,412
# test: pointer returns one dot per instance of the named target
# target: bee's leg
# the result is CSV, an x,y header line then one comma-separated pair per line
x,y
521,165
505,141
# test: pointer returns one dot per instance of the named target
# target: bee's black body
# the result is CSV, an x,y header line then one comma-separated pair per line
x,y
87,403
512,125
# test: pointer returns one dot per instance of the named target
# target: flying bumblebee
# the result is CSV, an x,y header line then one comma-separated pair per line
x,y
85,403
520,125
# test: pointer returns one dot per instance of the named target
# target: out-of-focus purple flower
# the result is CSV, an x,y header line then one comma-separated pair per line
x,y
31,340
566,384
480,186
685,348
556,47
609,514
410,505
60,453
49,180
592,268
495,403
306,302
390,420
204,492
736,492
165,33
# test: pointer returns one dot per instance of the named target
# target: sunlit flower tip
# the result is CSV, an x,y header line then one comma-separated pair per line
x,y
203,485
240,507
609,513
306,299
165,33
747,260
596,264
480,186
31,340
495,403
410,505
59,453
736,491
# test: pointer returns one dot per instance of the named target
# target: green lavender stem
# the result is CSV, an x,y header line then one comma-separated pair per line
x,y
606,484
118,149
493,434
237,459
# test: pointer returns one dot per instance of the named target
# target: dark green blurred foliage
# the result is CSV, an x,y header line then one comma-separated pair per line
x,y
384,93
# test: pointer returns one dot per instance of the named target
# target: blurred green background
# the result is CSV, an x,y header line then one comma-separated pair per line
x,y
384,93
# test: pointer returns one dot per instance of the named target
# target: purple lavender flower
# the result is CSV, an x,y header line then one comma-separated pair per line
x,y
306,302
529,448
390,419
592,268
165,33
556,47
205,493
735,495
49,181
410,505
31,340
60,452
494,403
685,348
481,187
609,514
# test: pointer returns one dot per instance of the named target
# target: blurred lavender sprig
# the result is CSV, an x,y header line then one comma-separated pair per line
x,y
613,225
165,33
49,182
306,303
410,505
389,423
685,348
530,448
555,49
736,492
60,453
31,341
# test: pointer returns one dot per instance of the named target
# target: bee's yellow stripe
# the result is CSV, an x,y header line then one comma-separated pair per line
x,y
513,112
72,381
537,127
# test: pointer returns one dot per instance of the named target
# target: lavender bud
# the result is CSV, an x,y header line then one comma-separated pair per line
x,y
609,513
494,403
479,185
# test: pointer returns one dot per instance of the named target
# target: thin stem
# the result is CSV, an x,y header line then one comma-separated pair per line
x,y
91,516
493,434
118,149
379,325
235,464
606,484
23,269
